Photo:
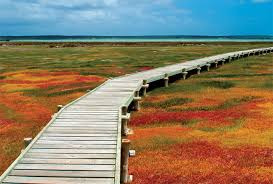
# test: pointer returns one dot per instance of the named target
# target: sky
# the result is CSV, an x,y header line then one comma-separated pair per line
x,y
136,17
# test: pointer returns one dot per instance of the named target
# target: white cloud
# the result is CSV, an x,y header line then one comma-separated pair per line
x,y
91,14
86,9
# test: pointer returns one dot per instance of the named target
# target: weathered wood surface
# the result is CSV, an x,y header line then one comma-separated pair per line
x,y
82,143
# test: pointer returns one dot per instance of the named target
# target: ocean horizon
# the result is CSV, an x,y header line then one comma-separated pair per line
x,y
164,38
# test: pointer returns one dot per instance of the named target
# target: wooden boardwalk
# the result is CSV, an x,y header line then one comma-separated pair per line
x,y
85,142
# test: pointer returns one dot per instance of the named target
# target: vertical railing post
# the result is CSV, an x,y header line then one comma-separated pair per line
x,y
124,176
144,87
208,66
27,141
125,117
166,80
198,69
184,74
223,62
59,107
216,64
136,101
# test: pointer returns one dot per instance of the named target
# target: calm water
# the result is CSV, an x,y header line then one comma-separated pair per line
x,y
137,38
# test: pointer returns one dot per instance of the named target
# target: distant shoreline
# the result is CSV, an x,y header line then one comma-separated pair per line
x,y
83,44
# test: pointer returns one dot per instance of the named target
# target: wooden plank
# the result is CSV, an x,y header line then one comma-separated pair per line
x,y
78,138
81,131
81,135
79,111
87,124
72,146
75,142
54,180
82,128
65,167
66,174
68,161
82,116
88,117
102,121
80,151
89,113
68,156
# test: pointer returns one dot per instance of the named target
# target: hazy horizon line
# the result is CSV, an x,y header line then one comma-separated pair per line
x,y
159,35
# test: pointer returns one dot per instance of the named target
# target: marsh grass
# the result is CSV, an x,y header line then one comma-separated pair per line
x,y
159,142
266,85
48,93
9,113
184,123
190,123
218,84
180,86
237,124
11,149
237,75
232,102
167,103
43,57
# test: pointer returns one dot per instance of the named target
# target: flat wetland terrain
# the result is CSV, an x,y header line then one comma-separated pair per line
x,y
216,127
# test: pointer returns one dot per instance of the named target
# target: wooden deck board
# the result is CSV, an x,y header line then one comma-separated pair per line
x,y
68,161
65,167
54,180
67,174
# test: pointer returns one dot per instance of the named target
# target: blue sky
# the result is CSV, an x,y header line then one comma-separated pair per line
x,y
136,17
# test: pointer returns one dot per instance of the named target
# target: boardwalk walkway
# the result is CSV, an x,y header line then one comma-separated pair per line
x,y
84,142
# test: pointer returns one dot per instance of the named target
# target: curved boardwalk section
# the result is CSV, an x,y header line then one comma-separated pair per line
x,y
85,142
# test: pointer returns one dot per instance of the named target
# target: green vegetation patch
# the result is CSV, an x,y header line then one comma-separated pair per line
x,y
179,87
46,93
2,77
236,101
230,75
159,142
168,103
11,149
227,104
190,123
218,84
237,124
9,113
268,85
